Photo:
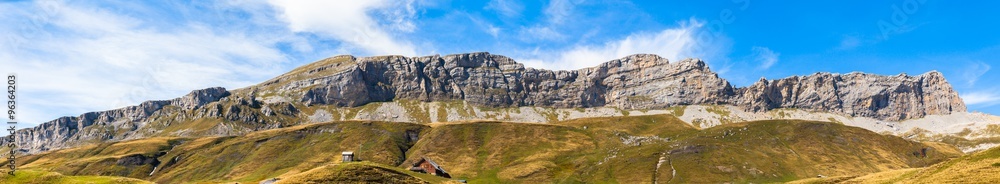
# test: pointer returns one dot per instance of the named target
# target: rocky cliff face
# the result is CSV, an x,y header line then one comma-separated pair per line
x,y
634,82
856,94
639,81
69,131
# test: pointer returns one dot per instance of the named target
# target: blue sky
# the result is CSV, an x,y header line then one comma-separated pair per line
x,y
79,56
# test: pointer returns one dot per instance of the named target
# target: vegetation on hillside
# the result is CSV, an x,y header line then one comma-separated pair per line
x,y
630,149
261,155
46,177
361,172
980,167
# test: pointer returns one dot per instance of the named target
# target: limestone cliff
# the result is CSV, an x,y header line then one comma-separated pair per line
x,y
634,82
856,94
637,81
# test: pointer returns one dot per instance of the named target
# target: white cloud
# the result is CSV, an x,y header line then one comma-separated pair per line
x,y
506,8
765,57
973,71
981,98
673,44
353,22
80,58
486,26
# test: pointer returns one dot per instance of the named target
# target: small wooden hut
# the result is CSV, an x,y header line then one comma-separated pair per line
x,y
348,156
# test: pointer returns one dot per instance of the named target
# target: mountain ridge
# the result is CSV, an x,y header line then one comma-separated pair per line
x,y
640,81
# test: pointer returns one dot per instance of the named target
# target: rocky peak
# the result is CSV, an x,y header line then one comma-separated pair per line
x,y
694,64
638,60
197,98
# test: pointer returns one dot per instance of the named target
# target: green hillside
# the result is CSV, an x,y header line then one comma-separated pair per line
x,y
45,177
361,172
261,155
631,149
980,167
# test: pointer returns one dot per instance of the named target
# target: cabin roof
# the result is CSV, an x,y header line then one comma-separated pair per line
x,y
436,166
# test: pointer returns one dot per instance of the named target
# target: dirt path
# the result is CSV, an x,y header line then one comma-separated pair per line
x,y
673,171
656,172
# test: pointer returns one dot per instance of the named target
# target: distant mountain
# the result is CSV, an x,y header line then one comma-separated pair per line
x,y
348,85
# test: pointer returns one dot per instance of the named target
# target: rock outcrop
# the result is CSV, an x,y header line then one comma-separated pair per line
x,y
198,98
640,81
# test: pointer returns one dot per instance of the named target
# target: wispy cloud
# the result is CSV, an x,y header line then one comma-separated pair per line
x,y
558,10
541,33
353,22
765,57
84,58
848,43
673,44
507,8
983,98
556,14
973,71
486,26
